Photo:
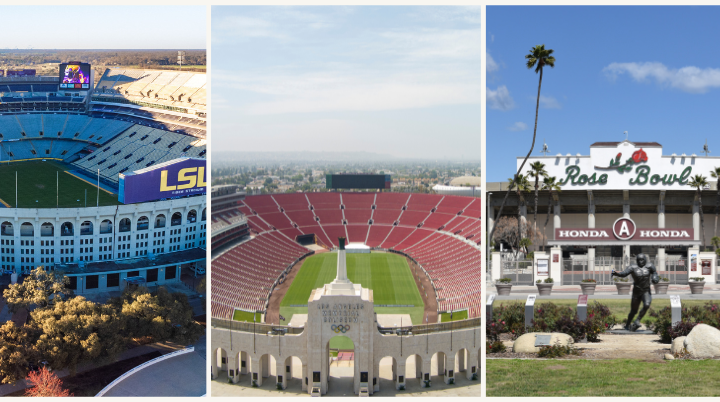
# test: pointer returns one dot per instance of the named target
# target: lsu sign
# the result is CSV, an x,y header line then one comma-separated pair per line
x,y
176,178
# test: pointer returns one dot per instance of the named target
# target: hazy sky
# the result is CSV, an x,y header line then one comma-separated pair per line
x,y
398,80
103,27
651,71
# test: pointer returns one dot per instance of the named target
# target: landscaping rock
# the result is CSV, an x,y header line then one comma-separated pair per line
x,y
668,356
703,341
526,343
678,344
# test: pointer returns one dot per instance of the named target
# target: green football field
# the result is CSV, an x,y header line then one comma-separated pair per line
x,y
36,186
388,275
247,316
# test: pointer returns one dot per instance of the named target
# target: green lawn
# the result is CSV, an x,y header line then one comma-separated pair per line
x,y
240,315
619,307
36,181
513,377
457,316
388,275
342,343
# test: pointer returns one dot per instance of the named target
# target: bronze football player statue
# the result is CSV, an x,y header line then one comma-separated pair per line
x,y
643,274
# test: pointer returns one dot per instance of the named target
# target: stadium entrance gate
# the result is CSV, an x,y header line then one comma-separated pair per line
x,y
344,308
577,268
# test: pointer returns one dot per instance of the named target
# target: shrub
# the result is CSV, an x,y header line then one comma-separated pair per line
x,y
599,320
618,279
548,280
664,279
512,315
504,280
557,350
494,329
588,280
495,347
697,279
709,314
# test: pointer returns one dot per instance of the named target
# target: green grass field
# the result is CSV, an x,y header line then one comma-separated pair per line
x,y
240,315
457,316
388,275
36,181
558,377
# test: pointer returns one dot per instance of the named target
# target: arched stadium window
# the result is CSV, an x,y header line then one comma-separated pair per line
x,y
106,226
160,221
176,219
124,225
7,229
192,216
27,229
66,229
86,228
47,229
203,214
143,223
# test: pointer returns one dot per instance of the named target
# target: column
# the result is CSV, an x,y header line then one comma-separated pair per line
x,y
257,369
304,376
660,260
400,372
591,225
461,361
280,372
556,217
450,369
626,214
213,363
233,368
696,218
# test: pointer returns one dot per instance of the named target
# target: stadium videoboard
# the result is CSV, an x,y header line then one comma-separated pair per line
x,y
173,179
359,181
75,75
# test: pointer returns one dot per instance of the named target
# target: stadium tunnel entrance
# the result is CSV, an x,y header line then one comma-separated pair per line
x,y
340,355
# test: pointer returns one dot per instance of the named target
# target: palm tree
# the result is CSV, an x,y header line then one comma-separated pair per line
x,y
715,173
520,185
550,184
538,57
698,183
537,170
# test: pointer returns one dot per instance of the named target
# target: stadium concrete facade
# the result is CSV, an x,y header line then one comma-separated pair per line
x,y
622,199
259,240
342,308
130,121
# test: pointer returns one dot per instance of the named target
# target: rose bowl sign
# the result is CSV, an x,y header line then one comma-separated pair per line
x,y
624,229
623,166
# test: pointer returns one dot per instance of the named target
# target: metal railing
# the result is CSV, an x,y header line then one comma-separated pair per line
x,y
257,328
578,268
431,328
142,366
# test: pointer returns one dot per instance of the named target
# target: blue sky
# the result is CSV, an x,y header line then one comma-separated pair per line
x,y
103,27
403,81
651,71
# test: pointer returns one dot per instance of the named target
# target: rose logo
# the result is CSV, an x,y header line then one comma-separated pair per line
x,y
639,156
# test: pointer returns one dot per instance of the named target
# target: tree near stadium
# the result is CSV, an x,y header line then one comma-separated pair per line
x,y
78,330
66,333
46,383
17,352
41,288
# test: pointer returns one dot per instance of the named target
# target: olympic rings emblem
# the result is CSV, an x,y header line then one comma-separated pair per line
x,y
340,328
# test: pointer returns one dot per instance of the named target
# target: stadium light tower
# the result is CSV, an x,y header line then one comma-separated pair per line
x,y
181,58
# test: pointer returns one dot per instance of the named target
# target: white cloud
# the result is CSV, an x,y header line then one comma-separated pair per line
x,y
548,102
688,79
500,98
518,126
491,65
351,90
